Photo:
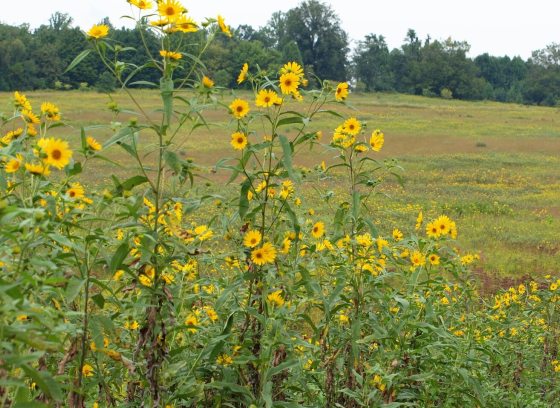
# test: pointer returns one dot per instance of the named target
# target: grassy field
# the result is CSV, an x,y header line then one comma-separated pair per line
x,y
494,168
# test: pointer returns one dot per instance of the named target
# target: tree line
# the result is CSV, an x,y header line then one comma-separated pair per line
x,y
310,34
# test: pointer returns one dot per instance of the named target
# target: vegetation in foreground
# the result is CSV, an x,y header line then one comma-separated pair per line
x,y
138,295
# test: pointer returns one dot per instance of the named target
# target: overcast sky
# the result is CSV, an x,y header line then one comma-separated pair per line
x,y
499,27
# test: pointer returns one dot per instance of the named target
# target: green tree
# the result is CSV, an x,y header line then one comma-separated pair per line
x,y
323,44
405,64
17,67
372,64
503,74
542,84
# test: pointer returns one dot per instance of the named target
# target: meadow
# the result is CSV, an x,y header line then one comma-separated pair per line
x,y
491,166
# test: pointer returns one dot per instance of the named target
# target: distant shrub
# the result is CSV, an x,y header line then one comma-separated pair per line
x,y
427,92
446,93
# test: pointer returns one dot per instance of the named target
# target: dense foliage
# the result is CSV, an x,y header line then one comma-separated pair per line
x,y
309,34
149,293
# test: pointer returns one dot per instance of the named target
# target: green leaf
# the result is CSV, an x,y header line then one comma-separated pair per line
x,y
133,182
73,288
339,219
77,60
305,138
172,159
83,138
30,404
44,381
99,300
118,257
267,394
144,83
331,112
290,120
356,198
243,199
293,218
166,87
281,367
74,169
119,136
288,152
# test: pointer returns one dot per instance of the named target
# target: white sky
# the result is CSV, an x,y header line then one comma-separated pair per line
x,y
499,27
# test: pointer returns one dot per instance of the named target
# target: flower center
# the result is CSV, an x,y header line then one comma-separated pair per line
x,y
56,154
170,11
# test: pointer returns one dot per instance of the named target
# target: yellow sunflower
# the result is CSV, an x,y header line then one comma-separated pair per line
x,y
243,73
207,82
170,9
360,148
223,26
171,55
192,321
286,244
434,259
432,230
443,224
76,191
252,238
238,141
51,111
265,254
38,169
30,117
275,298
266,98
14,164
376,141
11,135
93,144
352,126
142,4
341,91
239,108
419,221
318,230
98,31
21,101
292,67
87,370
57,152
31,130
397,234
185,25
417,259
289,83
161,22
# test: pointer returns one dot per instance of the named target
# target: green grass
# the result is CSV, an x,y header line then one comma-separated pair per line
x,y
492,167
